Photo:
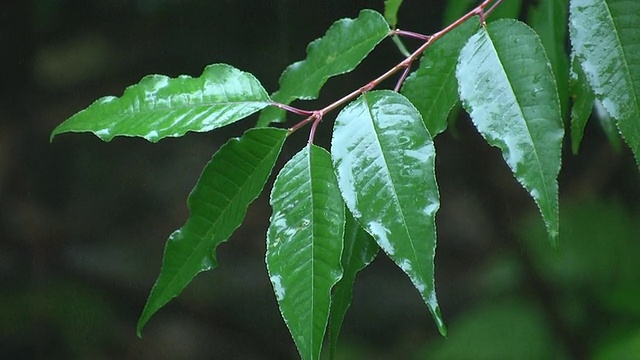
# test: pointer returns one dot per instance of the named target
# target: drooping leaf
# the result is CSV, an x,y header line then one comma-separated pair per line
x,y
583,98
606,40
359,251
231,180
159,107
608,125
508,88
433,87
339,51
391,8
549,20
384,159
304,244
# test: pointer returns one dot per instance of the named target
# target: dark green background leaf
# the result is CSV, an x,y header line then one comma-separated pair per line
x,y
384,158
433,88
508,88
359,251
160,107
346,43
231,180
605,38
304,245
549,20
582,107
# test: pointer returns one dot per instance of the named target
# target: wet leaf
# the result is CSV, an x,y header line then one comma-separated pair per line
x,y
339,51
508,88
582,107
304,245
605,37
433,87
608,125
384,159
159,107
231,180
359,251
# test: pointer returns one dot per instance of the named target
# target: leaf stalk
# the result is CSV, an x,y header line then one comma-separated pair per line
x,y
482,10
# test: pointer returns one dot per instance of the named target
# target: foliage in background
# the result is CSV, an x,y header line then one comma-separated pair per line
x,y
513,81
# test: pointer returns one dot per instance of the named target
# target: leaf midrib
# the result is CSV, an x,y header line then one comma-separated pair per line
x,y
524,119
394,193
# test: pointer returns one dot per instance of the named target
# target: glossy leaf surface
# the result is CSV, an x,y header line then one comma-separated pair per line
x,y
582,107
359,251
384,159
433,87
508,88
608,125
231,180
606,40
159,107
339,51
304,245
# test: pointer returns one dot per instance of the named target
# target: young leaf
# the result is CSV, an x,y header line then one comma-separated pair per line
x,y
391,8
304,244
159,107
384,159
508,88
231,180
433,88
583,98
359,251
549,20
339,51
605,38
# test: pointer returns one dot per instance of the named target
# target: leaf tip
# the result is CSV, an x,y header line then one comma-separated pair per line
x,y
555,241
442,328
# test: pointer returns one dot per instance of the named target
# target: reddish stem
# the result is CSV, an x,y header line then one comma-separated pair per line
x,y
316,116
410,34
291,109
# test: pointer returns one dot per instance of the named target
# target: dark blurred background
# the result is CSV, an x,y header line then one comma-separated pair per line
x,y
83,223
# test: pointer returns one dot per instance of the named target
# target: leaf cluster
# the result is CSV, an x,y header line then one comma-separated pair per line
x,y
376,188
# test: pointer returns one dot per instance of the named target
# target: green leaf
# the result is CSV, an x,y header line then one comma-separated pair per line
x,y
231,180
359,251
433,87
391,8
160,107
608,126
508,88
304,244
339,51
549,20
455,9
507,10
583,98
606,40
384,159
